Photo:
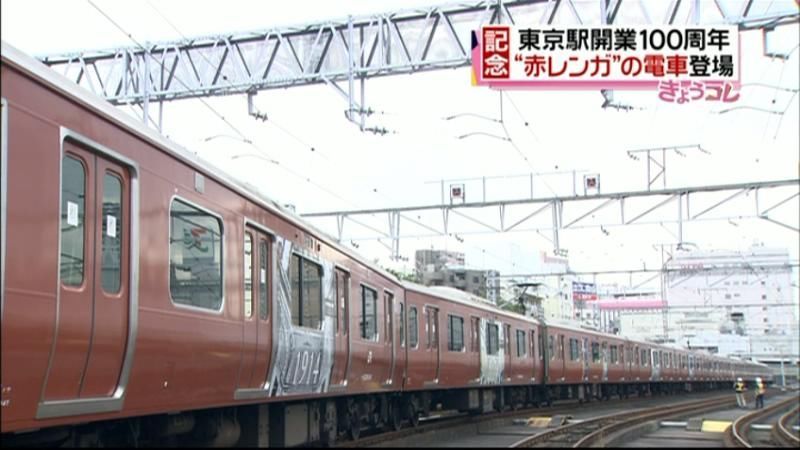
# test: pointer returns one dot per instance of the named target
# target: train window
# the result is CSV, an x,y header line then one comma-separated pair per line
x,y
595,352
533,344
614,354
644,358
507,339
369,313
521,349
551,346
561,347
402,325
248,275
306,278
263,304
541,347
342,281
574,352
388,323
73,210
432,319
455,333
476,332
492,339
311,282
195,257
112,238
636,356
413,327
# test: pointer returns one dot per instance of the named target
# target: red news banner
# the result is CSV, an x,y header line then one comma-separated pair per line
x,y
684,64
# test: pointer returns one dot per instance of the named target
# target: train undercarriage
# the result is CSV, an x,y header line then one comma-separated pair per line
x,y
326,421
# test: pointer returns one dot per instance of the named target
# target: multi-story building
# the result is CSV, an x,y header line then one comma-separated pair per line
x,y
747,293
483,283
436,260
727,302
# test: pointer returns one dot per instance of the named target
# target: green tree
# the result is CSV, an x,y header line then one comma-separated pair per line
x,y
402,276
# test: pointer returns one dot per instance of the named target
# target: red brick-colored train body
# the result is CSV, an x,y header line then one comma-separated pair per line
x,y
148,298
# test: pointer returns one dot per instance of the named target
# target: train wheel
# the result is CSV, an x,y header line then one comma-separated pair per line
x,y
413,414
397,416
354,423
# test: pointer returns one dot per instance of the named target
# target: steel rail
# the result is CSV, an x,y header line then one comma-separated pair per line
x,y
782,431
736,434
592,431
463,419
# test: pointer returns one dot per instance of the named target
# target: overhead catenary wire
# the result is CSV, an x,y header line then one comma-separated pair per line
x,y
313,149
514,144
242,136
270,121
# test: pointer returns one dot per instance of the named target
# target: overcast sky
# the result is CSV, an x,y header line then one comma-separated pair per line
x,y
567,131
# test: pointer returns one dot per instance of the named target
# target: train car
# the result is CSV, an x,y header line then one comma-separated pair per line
x,y
484,360
149,299
139,282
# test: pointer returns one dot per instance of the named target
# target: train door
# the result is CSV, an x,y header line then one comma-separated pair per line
x,y
507,352
476,345
555,367
399,373
629,362
388,335
88,358
586,356
257,327
341,355
604,359
432,343
536,356
655,366
562,353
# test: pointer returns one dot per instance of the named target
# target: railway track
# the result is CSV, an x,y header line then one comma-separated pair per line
x,y
782,431
737,434
455,421
461,420
598,430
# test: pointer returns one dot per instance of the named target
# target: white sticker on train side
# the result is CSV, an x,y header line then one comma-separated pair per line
x,y
263,275
111,226
72,214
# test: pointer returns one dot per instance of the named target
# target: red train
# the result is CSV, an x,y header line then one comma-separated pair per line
x,y
148,299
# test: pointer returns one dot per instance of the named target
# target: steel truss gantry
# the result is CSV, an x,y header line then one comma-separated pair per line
x,y
529,208
354,49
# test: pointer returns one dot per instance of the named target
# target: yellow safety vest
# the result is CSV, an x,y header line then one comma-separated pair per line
x,y
761,389
739,387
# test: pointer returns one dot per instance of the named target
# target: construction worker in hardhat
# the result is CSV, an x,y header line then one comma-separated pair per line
x,y
740,388
760,390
